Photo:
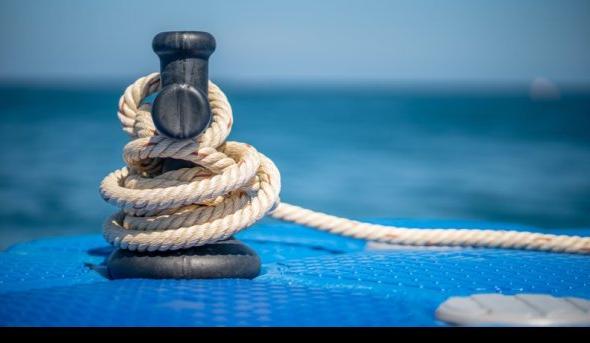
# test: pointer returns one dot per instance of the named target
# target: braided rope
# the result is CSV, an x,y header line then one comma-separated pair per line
x,y
232,186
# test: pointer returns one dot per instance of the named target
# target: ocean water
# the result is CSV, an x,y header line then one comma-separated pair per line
x,y
490,154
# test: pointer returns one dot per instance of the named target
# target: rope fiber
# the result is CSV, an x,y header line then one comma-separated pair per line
x,y
233,186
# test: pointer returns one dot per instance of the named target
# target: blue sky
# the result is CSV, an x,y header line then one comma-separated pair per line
x,y
467,40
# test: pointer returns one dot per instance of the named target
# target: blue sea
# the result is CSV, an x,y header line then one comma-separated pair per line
x,y
471,153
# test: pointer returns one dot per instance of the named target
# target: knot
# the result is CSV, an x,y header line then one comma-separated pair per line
x,y
231,187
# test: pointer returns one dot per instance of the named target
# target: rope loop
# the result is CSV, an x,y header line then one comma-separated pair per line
x,y
233,186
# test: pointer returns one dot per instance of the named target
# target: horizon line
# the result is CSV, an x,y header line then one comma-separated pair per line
x,y
313,83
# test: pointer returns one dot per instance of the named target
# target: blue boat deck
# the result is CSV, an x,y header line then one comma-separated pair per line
x,y
309,278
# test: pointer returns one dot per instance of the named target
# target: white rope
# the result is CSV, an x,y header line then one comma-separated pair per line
x,y
233,186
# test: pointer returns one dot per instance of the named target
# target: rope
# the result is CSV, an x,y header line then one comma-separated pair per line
x,y
233,186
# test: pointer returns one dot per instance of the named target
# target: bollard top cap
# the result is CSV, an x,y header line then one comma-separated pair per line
x,y
186,43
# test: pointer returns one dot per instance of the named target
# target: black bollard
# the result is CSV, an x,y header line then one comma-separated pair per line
x,y
181,111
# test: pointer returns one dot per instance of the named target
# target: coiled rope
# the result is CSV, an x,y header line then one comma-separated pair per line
x,y
233,186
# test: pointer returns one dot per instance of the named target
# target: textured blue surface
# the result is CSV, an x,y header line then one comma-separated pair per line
x,y
308,278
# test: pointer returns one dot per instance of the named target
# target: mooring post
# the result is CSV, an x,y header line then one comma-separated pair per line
x,y
181,111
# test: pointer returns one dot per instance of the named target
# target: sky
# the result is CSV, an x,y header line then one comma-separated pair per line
x,y
419,40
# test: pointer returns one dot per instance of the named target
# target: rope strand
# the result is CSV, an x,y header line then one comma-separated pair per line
x,y
233,186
